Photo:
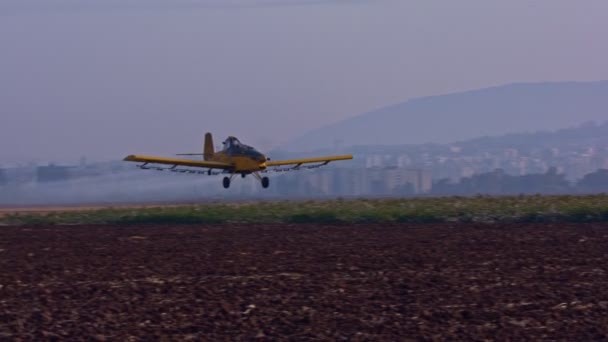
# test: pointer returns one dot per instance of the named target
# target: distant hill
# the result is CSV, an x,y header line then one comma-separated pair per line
x,y
513,108
576,138
587,134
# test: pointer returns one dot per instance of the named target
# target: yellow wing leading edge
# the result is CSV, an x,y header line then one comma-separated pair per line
x,y
177,161
324,160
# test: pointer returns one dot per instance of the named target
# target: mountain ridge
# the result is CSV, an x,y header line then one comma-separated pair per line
x,y
512,108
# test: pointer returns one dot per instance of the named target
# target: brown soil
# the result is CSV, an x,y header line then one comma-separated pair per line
x,y
302,282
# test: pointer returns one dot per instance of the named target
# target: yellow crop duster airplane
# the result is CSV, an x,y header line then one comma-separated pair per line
x,y
235,158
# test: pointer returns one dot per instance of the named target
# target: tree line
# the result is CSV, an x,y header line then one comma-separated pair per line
x,y
498,182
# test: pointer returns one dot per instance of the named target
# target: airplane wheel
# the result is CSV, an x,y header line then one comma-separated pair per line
x,y
243,175
226,182
265,182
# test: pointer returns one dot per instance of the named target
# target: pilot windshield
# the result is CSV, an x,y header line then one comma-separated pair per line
x,y
233,146
231,143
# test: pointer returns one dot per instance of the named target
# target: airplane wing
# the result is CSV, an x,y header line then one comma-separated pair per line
x,y
299,162
177,161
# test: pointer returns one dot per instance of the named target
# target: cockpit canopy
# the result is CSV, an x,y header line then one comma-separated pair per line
x,y
231,142
233,146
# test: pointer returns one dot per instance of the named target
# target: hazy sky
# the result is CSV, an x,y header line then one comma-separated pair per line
x,y
108,78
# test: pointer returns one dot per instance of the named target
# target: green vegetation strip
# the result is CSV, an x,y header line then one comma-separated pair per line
x,y
419,210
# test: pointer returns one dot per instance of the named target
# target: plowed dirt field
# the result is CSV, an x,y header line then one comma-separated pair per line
x,y
302,282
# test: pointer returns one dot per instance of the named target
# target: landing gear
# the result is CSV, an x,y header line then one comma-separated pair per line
x,y
264,180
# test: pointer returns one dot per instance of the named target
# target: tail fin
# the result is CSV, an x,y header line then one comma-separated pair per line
x,y
208,147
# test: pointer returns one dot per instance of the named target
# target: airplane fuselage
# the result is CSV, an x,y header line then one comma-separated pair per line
x,y
243,158
241,162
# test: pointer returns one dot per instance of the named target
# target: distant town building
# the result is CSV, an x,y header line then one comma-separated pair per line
x,y
52,173
376,182
510,153
321,181
374,160
398,180
21,175
403,161
467,171
425,181
455,149
349,182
